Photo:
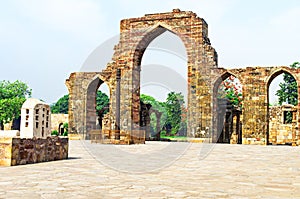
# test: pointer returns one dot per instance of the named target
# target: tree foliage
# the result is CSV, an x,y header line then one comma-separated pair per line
x,y
102,101
174,105
157,106
288,92
61,106
231,89
12,97
174,113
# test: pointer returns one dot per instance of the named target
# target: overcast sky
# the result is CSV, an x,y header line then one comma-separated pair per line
x,y
43,41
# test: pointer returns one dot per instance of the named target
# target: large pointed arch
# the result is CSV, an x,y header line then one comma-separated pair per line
x,y
147,37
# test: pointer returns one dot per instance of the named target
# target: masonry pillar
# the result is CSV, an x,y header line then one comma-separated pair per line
x,y
255,121
118,95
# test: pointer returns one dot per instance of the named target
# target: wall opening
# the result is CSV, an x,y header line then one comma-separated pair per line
x,y
163,85
96,105
227,117
102,103
61,129
282,102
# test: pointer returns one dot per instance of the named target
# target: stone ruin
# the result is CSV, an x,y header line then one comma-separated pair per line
x,y
283,124
35,119
122,124
34,143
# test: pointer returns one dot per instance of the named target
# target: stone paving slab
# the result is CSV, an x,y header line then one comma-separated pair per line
x,y
195,171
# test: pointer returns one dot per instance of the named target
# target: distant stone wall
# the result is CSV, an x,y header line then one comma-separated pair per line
x,y
282,132
57,119
126,137
16,151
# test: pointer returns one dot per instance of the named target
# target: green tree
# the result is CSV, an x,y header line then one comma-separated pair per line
x,y
288,88
155,105
231,89
61,106
12,97
102,101
174,104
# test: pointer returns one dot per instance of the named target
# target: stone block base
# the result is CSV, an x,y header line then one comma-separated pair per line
x,y
17,151
126,137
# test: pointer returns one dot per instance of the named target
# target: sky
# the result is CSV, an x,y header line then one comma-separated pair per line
x,y
43,41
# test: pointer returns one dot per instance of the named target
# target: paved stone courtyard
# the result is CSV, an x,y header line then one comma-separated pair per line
x,y
185,171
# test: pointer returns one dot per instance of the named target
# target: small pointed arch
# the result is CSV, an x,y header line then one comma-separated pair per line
x,y
91,103
278,72
272,102
61,128
94,84
275,74
220,79
227,101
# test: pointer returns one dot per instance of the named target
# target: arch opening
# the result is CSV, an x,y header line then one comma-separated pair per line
x,y
161,62
282,108
61,129
97,105
227,106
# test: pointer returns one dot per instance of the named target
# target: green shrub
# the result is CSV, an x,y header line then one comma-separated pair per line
x,y
65,133
66,126
54,133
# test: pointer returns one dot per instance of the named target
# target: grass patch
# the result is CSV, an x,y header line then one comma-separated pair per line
x,y
179,138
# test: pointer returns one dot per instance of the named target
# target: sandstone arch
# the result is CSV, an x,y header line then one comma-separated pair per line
x,y
203,73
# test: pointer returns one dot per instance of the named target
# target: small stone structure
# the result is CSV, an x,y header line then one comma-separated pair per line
x,y
33,144
204,77
35,119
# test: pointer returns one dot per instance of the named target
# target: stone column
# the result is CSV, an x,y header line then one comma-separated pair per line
x,y
118,94
158,116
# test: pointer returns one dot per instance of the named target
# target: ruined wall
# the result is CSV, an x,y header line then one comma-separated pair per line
x,y
16,151
193,31
57,119
282,131
255,82
82,88
203,79
135,36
